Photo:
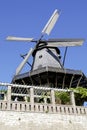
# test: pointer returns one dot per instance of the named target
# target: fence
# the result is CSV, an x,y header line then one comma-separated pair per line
x,y
16,97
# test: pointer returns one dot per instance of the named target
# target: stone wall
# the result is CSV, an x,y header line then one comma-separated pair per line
x,y
10,120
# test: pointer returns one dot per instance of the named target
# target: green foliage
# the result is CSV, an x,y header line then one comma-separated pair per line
x,y
80,90
80,95
45,95
3,91
62,97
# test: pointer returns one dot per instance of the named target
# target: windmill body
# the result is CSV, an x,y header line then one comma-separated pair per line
x,y
47,68
46,57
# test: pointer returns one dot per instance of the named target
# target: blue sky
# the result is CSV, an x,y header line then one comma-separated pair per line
x,y
26,18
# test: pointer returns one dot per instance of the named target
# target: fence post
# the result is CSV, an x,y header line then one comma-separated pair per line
x,y
9,96
72,98
32,98
53,99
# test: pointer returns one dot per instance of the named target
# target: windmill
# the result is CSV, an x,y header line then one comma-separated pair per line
x,y
46,57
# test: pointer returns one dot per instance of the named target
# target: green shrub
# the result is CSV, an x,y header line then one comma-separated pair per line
x,y
62,97
80,95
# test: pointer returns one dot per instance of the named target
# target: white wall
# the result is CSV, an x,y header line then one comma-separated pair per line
x,y
10,120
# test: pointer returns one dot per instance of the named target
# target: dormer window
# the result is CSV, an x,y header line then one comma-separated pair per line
x,y
40,56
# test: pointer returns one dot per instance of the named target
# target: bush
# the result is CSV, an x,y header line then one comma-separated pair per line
x,y
80,95
62,97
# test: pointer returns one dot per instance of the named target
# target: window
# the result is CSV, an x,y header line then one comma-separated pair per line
x,y
40,56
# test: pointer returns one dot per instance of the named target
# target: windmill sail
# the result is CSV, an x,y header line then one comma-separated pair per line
x,y
64,42
11,38
24,62
50,24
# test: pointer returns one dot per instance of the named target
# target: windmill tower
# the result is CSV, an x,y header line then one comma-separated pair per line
x,y
47,69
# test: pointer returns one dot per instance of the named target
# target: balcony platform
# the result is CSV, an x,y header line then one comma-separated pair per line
x,y
53,77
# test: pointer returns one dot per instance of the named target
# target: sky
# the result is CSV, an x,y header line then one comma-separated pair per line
x,y
26,18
